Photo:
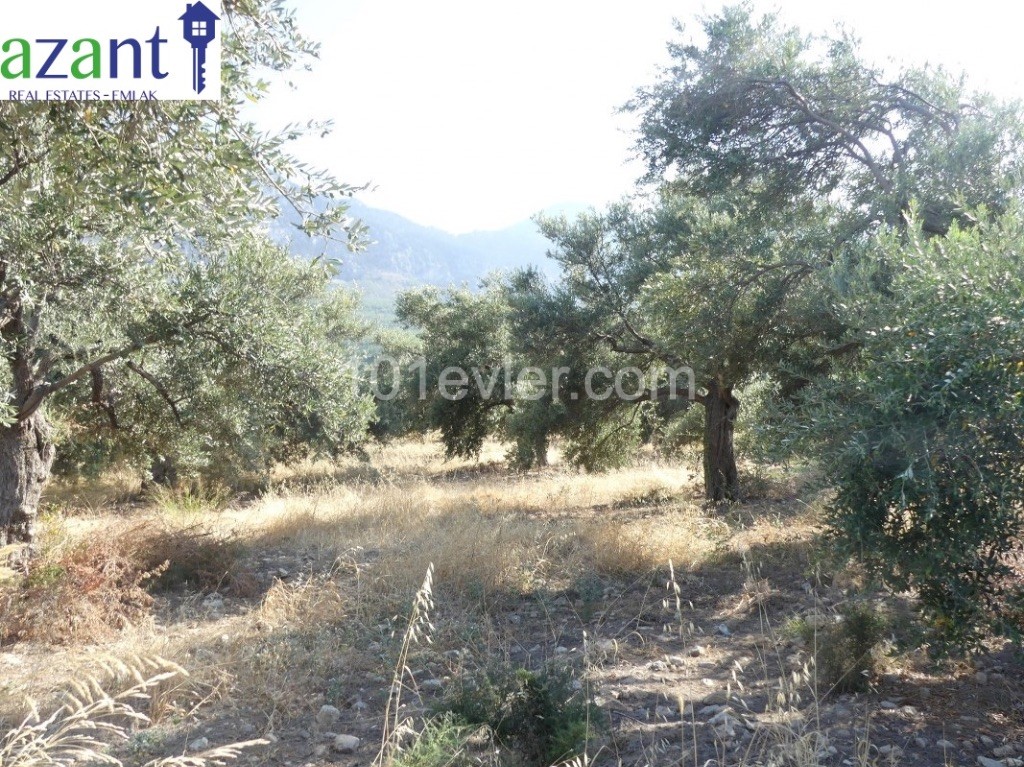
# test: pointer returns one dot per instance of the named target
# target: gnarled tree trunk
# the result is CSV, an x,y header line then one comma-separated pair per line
x,y
26,454
540,449
721,481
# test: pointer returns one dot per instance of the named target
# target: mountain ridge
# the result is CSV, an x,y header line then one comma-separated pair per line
x,y
403,254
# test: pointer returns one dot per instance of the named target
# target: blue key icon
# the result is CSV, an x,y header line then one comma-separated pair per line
x,y
200,27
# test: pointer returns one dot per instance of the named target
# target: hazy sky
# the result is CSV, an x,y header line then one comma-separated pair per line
x,y
476,114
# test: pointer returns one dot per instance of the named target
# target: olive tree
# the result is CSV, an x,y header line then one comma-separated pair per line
x,y
273,380
107,207
755,105
922,433
775,155
512,361
706,287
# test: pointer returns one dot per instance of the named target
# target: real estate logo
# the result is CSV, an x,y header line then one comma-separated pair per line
x,y
200,29
133,51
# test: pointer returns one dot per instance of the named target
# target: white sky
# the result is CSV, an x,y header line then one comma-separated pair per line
x,y
473,114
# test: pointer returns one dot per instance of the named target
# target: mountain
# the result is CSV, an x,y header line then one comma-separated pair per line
x,y
404,255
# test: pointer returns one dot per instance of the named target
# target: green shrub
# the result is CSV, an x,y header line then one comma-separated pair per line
x,y
846,652
541,715
444,742
924,436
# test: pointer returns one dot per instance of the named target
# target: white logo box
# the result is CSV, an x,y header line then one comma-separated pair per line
x,y
111,50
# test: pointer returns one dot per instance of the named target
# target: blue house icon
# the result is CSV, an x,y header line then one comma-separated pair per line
x,y
200,27
200,24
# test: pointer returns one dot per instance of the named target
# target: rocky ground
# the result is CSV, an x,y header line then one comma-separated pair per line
x,y
725,684
698,665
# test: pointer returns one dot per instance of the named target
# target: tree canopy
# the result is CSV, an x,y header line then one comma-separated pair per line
x,y
271,379
847,236
116,217
764,107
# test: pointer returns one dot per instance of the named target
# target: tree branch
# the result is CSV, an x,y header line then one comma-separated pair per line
x,y
41,391
158,385
105,404
854,143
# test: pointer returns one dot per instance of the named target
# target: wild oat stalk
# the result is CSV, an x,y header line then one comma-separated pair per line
x,y
419,628
81,730
675,601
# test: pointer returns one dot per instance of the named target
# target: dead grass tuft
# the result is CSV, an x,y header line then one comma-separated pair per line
x,y
81,593
89,720
84,588
193,555
302,636
117,488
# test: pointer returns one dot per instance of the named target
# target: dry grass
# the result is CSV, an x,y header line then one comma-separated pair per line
x,y
79,590
365,533
485,533
90,720
96,496
94,578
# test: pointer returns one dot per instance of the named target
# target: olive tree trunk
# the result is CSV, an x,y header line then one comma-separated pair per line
x,y
26,454
540,449
721,480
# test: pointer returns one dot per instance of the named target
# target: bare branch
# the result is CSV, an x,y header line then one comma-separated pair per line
x,y
855,146
159,386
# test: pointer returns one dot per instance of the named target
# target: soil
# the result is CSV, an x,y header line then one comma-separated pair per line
x,y
702,667
720,680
